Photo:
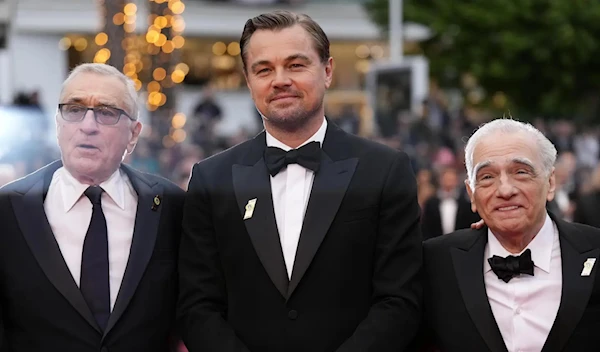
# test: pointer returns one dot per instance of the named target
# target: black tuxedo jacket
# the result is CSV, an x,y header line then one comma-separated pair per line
x,y
42,307
458,314
432,219
355,284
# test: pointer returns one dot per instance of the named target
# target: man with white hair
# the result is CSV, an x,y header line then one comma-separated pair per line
x,y
526,280
89,245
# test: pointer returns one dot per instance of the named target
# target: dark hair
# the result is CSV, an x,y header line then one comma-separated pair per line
x,y
280,19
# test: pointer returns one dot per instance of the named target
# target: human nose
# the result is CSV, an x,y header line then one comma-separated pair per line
x,y
89,124
281,79
506,188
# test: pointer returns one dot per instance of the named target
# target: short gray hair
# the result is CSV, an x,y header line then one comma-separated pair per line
x,y
107,70
509,126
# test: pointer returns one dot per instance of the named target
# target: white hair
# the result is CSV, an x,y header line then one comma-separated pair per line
x,y
110,71
509,126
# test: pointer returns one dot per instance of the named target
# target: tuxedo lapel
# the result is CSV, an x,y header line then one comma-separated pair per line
x,y
468,267
252,182
328,190
576,289
31,217
143,241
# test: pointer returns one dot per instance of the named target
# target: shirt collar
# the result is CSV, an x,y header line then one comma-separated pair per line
x,y
72,190
540,246
319,136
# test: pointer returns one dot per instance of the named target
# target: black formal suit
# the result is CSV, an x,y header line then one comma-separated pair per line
x,y
458,314
42,307
432,219
354,285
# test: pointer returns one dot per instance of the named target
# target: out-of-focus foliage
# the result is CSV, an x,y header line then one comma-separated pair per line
x,y
544,55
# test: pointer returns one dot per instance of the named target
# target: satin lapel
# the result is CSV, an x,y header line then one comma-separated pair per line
x,y
328,190
468,267
576,289
143,241
252,183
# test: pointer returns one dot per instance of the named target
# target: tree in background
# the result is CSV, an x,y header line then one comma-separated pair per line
x,y
150,59
530,56
113,34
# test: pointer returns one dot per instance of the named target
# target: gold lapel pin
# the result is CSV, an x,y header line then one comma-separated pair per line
x,y
156,202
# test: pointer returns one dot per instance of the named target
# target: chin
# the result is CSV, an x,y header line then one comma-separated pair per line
x,y
85,165
290,123
511,226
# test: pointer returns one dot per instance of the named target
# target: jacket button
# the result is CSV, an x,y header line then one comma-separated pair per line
x,y
292,314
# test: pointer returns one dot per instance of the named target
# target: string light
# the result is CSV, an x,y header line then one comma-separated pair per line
x,y
151,60
163,40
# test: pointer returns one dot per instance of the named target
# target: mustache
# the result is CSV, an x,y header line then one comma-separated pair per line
x,y
275,94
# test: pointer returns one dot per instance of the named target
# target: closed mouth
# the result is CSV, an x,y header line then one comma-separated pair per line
x,y
283,97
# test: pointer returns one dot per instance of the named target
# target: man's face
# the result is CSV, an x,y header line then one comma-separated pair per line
x,y
511,188
286,77
91,151
449,180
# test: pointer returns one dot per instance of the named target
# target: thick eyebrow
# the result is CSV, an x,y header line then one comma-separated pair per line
x,y
521,161
287,59
524,162
480,166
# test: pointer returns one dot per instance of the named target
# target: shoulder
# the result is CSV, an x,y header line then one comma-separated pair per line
x,y
373,150
375,160
23,184
168,186
463,239
579,234
233,153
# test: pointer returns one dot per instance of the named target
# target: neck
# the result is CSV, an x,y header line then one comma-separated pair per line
x,y
92,180
517,242
515,245
295,138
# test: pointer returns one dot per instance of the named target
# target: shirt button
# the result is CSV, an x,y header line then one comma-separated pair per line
x,y
292,314
518,311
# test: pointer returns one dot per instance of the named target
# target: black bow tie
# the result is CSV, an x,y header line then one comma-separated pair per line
x,y
308,156
511,266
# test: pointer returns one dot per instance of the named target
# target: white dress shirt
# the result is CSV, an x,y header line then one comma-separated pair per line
x,y
69,213
525,307
291,190
448,210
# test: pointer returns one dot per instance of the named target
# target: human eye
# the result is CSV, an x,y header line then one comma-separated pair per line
x,y
73,108
262,71
107,111
485,179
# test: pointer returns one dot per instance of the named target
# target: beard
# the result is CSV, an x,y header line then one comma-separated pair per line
x,y
291,118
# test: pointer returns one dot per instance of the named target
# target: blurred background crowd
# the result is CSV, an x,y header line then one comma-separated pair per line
x,y
422,84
